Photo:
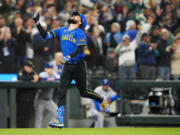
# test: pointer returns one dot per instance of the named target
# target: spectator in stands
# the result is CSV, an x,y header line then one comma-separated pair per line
x,y
146,27
95,57
170,20
30,7
123,17
52,10
126,53
175,60
110,95
48,21
111,63
177,13
28,28
19,5
131,30
28,22
22,38
165,52
7,51
56,23
146,58
44,97
48,3
66,12
2,22
106,17
25,97
114,37
155,30
80,9
164,13
135,7
99,30
12,26
41,50
4,6
118,6
57,65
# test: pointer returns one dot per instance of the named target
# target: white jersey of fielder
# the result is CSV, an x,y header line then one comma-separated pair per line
x,y
108,94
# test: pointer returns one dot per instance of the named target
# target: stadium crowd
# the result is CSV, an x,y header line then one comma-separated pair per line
x,y
140,39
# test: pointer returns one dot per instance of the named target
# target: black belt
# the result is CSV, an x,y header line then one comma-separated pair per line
x,y
75,62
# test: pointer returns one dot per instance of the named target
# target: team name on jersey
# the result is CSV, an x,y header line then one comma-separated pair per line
x,y
69,38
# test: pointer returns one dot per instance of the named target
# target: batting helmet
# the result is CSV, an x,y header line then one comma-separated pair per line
x,y
83,19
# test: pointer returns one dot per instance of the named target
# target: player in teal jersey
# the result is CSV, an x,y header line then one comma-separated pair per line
x,y
73,41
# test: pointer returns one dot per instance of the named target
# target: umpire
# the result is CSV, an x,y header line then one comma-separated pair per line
x,y
73,41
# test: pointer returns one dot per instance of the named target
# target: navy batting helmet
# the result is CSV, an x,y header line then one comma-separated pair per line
x,y
83,19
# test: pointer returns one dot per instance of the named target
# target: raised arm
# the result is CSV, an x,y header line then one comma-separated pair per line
x,y
44,34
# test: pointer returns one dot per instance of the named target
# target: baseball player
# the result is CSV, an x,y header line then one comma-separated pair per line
x,y
57,65
73,41
96,110
43,99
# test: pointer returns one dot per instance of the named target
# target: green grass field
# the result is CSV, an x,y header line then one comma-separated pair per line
x,y
92,131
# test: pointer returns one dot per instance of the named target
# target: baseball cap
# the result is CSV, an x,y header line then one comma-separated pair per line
x,y
48,65
125,36
29,64
105,82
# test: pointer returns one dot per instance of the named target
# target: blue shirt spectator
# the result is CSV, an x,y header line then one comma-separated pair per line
x,y
114,37
131,30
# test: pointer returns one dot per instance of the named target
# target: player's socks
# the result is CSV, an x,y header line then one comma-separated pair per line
x,y
104,104
59,122
60,114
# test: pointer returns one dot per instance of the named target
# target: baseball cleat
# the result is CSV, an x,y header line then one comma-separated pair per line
x,y
56,124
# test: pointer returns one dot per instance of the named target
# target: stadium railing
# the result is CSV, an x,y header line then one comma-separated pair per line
x,y
8,100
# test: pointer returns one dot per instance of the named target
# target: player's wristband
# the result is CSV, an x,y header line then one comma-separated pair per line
x,y
114,97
